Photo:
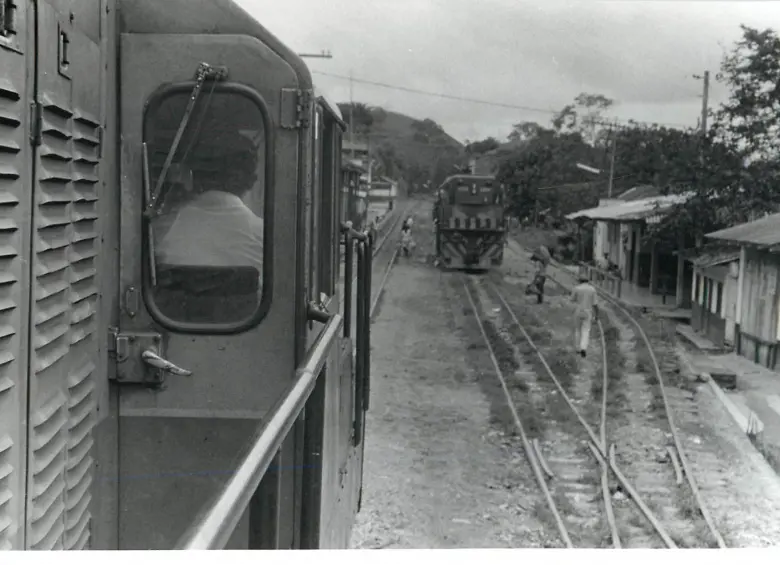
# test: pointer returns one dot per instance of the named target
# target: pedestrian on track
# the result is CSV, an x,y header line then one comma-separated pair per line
x,y
584,295
541,258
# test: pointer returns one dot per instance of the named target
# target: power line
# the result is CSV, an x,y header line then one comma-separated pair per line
x,y
627,123
438,94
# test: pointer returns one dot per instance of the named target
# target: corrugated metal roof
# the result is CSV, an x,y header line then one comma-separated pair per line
x,y
763,232
646,208
639,192
712,258
350,166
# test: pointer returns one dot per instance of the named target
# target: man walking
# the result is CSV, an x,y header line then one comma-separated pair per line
x,y
584,295
541,257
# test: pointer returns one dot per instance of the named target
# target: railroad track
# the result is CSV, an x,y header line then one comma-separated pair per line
x,y
572,462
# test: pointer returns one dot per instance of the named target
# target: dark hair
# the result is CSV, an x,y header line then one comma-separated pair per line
x,y
226,162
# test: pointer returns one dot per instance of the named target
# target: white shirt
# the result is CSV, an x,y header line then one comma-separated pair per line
x,y
215,230
585,296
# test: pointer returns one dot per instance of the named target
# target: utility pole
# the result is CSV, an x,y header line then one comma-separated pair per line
x,y
704,99
321,55
351,114
612,160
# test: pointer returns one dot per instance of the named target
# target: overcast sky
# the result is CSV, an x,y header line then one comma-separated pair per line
x,y
533,54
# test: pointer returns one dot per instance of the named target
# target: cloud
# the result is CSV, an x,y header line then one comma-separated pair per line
x,y
535,54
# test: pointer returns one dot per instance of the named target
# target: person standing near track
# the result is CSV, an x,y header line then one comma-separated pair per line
x,y
407,243
540,258
584,296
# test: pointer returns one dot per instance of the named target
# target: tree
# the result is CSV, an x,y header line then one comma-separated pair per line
x,y
584,116
737,169
525,131
749,121
663,157
483,146
428,131
537,172
360,114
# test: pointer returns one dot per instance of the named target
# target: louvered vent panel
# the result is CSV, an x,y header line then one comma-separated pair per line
x,y
81,405
50,336
83,320
13,110
84,288
47,523
66,241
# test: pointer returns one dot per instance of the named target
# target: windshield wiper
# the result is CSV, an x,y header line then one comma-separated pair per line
x,y
205,72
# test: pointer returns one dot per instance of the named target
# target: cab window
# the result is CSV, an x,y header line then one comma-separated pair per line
x,y
206,193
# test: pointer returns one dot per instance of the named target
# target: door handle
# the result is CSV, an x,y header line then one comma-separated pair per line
x,y
150,357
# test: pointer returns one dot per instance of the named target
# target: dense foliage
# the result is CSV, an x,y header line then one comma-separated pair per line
x,y
419,153
732,169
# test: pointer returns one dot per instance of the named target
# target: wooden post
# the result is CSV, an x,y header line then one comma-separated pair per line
x,y
653,267
636,251
679,298
740,286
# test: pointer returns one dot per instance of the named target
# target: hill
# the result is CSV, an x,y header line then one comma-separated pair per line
x,y
418,151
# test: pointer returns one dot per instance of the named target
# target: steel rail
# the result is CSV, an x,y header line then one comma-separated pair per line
x,y
672,425
523,436
662,386
595,440
606,495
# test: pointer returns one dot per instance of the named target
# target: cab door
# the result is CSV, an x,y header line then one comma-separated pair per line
x,y
227,353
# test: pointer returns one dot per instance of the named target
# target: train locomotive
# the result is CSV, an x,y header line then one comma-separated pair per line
x,y
162,386
470,222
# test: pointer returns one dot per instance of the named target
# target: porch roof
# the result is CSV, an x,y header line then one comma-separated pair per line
x,y
714,257
645,209
764,232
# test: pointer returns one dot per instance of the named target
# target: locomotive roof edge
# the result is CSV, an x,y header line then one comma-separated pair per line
x,y
217,17
461,177
332,107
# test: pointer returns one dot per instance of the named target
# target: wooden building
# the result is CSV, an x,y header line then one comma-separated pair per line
x,y
714,295
618,229
758,329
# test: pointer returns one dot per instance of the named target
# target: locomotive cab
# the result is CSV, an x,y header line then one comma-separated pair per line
x,y
171,286
237,109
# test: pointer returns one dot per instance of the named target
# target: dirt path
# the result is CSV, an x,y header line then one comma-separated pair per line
x,y
438,472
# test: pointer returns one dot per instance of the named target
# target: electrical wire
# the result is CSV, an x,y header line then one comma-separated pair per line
x,y
626,123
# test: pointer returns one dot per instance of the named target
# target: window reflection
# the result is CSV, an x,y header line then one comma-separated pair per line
x,y
208,223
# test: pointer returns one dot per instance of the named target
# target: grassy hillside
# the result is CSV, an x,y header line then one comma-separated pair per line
x,y
418,151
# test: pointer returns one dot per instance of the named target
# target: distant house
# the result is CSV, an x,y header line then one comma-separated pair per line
x,y
381,197
619,225
714,294
757,315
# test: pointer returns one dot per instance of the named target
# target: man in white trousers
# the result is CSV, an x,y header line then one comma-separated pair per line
x,y
584,295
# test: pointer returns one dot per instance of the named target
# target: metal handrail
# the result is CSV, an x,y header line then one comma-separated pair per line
x,y
217,523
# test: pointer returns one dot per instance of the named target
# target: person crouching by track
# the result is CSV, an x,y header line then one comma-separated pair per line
x,y
540,258
584,295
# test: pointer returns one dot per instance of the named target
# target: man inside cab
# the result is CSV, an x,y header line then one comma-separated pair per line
x,y
215,228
